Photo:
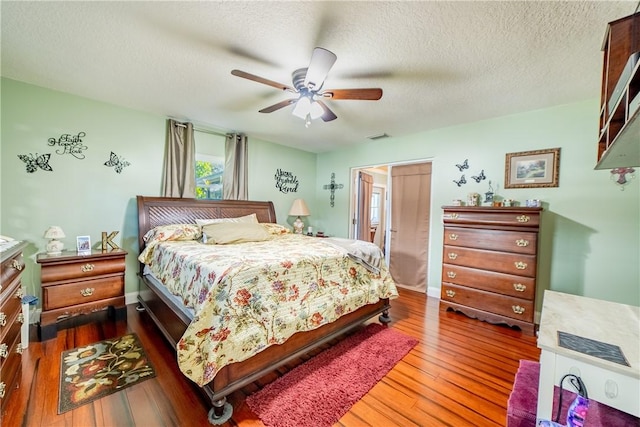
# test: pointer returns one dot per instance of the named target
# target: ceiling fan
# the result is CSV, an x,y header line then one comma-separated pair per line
x,y
307,85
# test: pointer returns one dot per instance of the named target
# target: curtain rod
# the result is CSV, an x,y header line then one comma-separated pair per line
x,y
202,130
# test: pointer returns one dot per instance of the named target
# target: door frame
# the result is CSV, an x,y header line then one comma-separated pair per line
x,y
353,196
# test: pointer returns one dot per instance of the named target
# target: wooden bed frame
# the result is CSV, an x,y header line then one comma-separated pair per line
x,y
172,322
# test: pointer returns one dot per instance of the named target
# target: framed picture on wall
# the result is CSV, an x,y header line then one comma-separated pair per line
x,y
531,169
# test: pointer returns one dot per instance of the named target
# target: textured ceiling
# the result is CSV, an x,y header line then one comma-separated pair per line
x,y
439,63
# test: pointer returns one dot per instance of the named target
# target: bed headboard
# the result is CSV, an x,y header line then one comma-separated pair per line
x,y
155,211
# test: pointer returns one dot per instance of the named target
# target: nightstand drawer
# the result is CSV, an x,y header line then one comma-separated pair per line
x,y
81,292
80,269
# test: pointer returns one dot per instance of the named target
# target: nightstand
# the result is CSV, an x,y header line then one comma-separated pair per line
x,y
74,285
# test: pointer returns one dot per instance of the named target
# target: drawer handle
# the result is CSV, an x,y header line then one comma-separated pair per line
x,y
87,268
451,274
522,218
87,292
450,293
19,293
520,265
519,287
21,317
453,255
454,216
522,243
4,350
15,264
19,348
2,387
453,236
3,318
517,309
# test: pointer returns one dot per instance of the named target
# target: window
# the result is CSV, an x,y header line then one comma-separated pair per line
x,y
375,207
209,176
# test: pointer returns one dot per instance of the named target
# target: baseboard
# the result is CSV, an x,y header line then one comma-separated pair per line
x,y
131,298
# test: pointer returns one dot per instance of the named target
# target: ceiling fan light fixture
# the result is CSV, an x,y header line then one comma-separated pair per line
x,y
302,108
315,111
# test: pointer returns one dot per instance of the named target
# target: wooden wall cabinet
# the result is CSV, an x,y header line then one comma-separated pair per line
x,y
11,320
489,265
619,138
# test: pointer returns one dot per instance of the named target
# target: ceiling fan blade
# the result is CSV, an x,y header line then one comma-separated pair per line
x,y
278,106
262,80
321,62
328,115
370,94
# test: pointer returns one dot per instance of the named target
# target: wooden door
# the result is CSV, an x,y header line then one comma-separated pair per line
x,y
410,218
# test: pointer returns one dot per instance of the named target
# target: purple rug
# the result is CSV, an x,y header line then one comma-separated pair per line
x,y
320,391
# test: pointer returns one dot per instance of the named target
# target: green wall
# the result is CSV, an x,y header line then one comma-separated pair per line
x,y
591,234
85,197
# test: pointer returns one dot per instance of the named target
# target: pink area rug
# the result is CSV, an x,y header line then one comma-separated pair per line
x,y
320,391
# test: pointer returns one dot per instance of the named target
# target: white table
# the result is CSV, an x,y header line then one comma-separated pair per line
x,y
607,382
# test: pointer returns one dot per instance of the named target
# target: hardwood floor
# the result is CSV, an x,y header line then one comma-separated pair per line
x,y
460,374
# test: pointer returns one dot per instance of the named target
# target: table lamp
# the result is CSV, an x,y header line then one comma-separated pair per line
x,y
298,208
54,247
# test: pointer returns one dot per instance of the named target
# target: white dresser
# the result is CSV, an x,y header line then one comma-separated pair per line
x,y
611,324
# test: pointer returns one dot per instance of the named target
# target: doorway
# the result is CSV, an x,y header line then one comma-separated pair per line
x,y
402,195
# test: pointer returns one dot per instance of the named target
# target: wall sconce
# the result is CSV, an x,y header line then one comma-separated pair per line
x,y
298,208
54,247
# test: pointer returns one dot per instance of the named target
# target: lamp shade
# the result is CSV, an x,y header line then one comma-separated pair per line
x,y
299,208
54,232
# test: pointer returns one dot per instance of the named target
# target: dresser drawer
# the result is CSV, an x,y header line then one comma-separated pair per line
x,y
507,284
504,217
515,308
72,293
9,339
521,242
10,269
518,264
11,368
76,270
10,307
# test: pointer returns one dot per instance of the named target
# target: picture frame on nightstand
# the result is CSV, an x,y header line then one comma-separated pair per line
x,y
83,243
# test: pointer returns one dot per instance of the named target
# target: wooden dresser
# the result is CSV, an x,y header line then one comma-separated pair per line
x,y
11,319
490,262
74,284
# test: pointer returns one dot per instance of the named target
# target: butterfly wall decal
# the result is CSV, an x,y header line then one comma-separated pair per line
x,y
463,166
33,162
480,177
116,162
461,181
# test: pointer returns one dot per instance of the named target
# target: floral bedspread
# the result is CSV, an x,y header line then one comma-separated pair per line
x,y
249,296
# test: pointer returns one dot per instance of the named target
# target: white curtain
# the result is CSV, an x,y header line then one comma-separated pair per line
x,y
179,178
234,177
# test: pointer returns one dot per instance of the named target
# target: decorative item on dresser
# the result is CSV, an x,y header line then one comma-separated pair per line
x,y
490,262
11,318
74,284
299,208
55,246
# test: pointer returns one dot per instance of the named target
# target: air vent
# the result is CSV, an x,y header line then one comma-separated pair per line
x,y
374,137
